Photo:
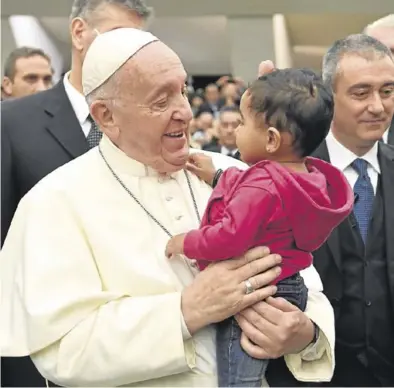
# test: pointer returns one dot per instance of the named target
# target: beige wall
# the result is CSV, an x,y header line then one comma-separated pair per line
x,y
7,41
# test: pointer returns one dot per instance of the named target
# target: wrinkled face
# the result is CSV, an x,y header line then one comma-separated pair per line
x,y
105,18
364,99
151,114
251,135
385,35
32,75
212,94
228,123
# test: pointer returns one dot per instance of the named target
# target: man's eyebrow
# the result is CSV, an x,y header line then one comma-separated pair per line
x,y
156,92
364,85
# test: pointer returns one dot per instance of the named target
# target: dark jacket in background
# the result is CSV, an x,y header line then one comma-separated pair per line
x,y
39,133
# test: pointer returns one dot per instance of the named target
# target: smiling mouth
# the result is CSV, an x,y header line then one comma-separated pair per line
x,y
375,121
175,135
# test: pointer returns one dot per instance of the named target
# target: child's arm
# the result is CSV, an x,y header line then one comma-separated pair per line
x,y
247,213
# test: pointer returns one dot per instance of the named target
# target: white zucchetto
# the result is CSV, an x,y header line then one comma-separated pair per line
x,y
109,52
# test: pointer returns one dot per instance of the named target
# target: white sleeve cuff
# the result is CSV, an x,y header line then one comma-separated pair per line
x,y
185,332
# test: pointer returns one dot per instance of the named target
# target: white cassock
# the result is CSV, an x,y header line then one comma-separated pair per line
x,y
87,291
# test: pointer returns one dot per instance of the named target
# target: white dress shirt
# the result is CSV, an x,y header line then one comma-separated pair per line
x,y
342,158
386,136
79,105
226,151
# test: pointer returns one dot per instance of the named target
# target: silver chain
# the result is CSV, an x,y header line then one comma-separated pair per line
x,y
142,206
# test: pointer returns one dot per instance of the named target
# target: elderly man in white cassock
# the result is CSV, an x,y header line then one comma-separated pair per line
x,y
86,288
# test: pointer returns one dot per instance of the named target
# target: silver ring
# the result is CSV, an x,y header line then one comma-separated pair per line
x,y
249,287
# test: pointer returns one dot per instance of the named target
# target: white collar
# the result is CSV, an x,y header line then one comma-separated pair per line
x,y
386,135
77,99
342,158
123,164
226,151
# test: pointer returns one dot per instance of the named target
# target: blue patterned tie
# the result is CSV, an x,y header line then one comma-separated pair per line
x,y
364,194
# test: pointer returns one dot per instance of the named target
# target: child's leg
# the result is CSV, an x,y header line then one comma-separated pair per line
x,y
294,290
235,367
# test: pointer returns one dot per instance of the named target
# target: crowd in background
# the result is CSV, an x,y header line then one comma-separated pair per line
x,y
216,116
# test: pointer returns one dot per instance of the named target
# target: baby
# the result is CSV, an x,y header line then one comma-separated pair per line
x,y
285,200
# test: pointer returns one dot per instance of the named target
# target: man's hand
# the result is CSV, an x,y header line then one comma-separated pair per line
x,y
219,291
266,67
273,328
202,166
175,245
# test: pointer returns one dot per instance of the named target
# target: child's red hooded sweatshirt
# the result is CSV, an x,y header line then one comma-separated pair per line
x,y
269,205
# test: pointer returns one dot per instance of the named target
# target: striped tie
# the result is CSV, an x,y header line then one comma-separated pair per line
x,y
94,135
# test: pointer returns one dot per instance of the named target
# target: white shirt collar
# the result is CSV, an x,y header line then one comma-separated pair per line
x,y
386,135
342,158
224,150
77,99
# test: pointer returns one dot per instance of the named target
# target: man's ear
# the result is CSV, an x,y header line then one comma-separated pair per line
x,y
102,114
77,31
6,85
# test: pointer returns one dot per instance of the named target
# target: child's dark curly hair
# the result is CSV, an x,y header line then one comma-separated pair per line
x,y
297,101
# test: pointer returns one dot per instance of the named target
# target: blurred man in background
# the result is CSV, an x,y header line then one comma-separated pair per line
x,y
27,71
225,143
212,102
204,128
383,30
43,132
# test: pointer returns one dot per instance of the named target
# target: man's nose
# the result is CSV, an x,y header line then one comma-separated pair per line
x,y
40,86
184,111
376,105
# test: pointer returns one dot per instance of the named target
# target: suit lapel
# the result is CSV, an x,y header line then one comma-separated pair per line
x,y
62,122
386,161
390,138
333,240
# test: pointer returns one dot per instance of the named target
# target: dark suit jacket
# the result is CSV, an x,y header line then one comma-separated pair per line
x,y
206,107
390,138
39,133
328,261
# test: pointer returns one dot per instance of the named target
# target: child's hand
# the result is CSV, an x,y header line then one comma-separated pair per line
x,y
202,166
175,245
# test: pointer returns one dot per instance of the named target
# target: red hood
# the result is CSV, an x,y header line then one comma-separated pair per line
x,y
316,201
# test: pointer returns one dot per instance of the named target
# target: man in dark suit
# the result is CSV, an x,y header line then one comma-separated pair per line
x,y
212,103
356,264
42,132
229,119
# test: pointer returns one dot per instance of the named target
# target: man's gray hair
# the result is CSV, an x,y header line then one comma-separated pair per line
x,y
84,8
387,21
359,44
